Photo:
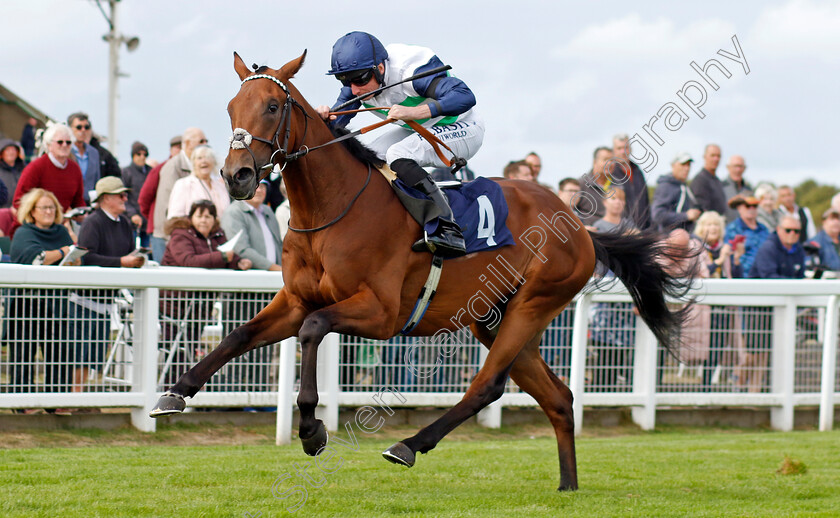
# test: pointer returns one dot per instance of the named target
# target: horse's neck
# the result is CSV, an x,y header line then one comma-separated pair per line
x,y
321,186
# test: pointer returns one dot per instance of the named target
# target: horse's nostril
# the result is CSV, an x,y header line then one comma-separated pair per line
x,y
243,175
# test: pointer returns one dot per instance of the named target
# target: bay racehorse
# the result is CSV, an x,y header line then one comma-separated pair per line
x,y
355,273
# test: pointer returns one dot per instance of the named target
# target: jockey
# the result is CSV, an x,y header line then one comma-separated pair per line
x,y
440,102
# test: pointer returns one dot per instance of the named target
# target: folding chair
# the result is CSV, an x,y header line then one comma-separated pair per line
x,y
121,354
178,341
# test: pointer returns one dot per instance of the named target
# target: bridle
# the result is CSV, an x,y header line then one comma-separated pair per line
x,y
241,139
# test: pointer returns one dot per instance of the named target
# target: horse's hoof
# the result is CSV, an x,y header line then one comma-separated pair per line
x,y
399,454
313,445
168,404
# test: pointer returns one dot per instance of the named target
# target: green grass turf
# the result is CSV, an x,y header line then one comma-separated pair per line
x,y
676,472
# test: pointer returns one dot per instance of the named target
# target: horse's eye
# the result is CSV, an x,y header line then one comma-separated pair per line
x,y
272,108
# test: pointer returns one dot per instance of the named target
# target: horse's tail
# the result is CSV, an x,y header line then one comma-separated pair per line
x,y
640,261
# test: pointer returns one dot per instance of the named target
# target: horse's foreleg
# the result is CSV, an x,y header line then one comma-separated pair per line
x,y
361,314
276,322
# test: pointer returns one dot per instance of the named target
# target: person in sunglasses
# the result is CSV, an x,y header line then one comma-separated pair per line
x,y
107,233
54,171
781,256
80,123
83,153
440,102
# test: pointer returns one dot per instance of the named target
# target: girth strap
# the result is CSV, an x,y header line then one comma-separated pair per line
x,y
426,294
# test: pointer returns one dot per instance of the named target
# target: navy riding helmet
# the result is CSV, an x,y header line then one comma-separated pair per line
x,y
357,51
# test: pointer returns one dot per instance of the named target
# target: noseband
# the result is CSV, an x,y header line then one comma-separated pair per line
x,y
241,138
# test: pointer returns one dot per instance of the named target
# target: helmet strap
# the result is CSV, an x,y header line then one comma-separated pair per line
x,y
380,76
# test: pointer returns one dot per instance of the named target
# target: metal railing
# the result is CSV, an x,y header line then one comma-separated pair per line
x,y
100,337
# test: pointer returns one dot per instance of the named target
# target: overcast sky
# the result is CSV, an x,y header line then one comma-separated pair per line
x,y
558,78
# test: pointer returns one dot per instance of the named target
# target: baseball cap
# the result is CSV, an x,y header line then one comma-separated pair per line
x,y
681,158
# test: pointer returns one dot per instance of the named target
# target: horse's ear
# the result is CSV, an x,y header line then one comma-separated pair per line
x,y
240,67
290,69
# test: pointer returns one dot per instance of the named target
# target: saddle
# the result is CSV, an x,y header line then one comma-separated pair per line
x,y
479,207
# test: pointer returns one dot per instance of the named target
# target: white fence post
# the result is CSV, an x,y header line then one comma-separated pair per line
x,y
577,371
144,375
331,348
644,376
783,363
285,391
829,365
491,415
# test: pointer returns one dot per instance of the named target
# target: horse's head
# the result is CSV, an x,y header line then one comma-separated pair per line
x,y
261,118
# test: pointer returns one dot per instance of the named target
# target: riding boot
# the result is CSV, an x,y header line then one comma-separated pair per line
x,y
447,241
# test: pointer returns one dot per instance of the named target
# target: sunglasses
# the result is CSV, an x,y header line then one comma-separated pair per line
x,y
791,230
63,142
750,205
357,77
203,141
81,127
142,153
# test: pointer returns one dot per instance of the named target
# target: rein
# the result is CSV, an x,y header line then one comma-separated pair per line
x,y
344,213
416,126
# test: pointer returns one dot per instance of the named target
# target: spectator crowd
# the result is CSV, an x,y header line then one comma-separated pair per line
x,y
734,227
70,202
73,194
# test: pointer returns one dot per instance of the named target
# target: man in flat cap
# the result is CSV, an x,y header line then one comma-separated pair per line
x,y
106,232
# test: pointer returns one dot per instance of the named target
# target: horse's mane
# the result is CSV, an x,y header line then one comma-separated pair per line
x,y
362,153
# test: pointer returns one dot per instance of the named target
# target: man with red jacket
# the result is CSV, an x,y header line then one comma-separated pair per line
x,y
147,197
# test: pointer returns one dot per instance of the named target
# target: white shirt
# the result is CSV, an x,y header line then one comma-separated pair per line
x,y
56,163
808,227
283,214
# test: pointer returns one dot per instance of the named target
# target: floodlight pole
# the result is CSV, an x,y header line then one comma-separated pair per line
x,y
114,41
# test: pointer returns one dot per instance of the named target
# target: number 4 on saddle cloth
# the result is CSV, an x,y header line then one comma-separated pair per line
x,y
479,208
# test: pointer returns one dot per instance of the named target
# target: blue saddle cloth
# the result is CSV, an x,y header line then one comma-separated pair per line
x,y
480,209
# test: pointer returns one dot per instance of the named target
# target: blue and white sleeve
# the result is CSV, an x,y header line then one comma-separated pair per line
x,y
345,95
450,95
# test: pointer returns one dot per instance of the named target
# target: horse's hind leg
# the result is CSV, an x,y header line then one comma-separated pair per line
x,y
277,321
488,386
534,376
